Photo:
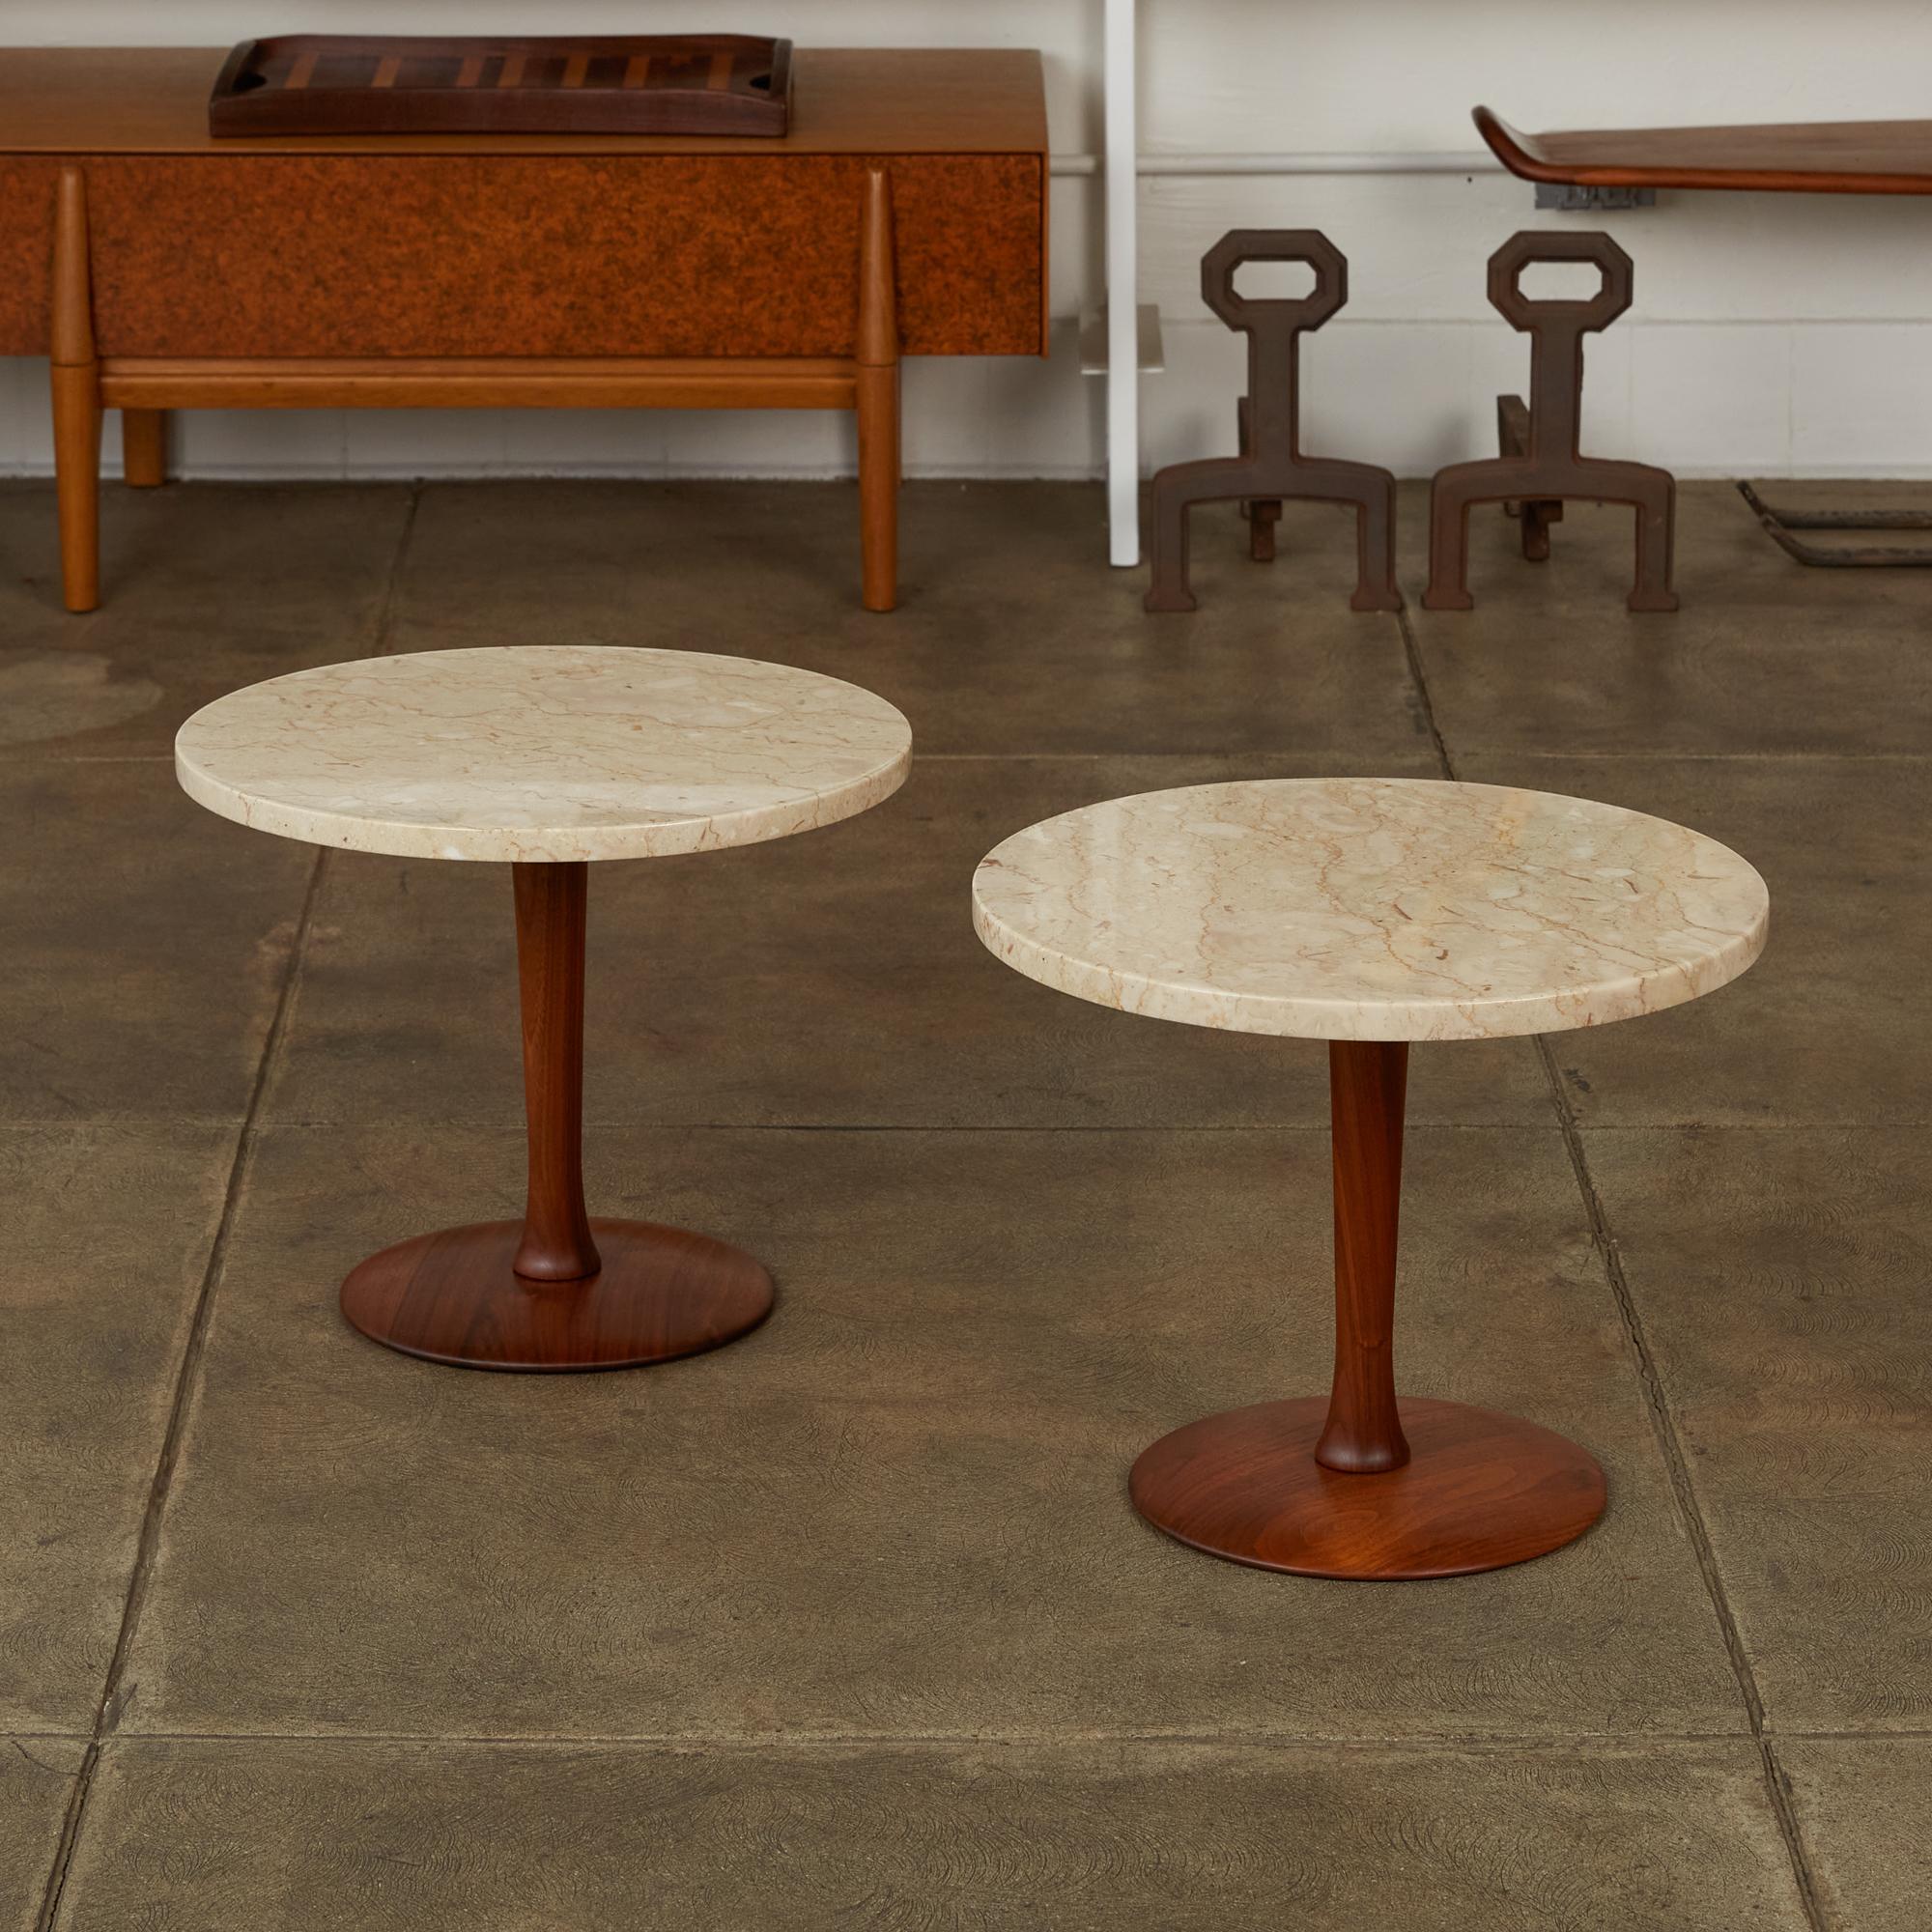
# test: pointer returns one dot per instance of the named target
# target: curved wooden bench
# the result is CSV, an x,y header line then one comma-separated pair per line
x,y
1777,157
1774,158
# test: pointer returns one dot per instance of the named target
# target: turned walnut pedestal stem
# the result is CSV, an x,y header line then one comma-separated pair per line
x,y
557,1290
551,904
1365,1485
1366,1088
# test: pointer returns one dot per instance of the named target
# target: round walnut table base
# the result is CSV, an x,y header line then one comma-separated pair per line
x,y
1482,1492
455,1297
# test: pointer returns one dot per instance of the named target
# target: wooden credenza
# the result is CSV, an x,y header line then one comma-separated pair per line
x,y
904,215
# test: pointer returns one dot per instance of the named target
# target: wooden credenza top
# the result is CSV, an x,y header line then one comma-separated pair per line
x,y
462,246
846,100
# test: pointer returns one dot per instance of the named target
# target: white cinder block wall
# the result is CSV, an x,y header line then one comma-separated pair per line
x,y
1771,334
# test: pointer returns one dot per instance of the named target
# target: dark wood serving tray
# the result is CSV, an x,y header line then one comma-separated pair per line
x,y
574,84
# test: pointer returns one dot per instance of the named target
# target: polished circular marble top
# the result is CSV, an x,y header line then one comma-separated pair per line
x,y
557,751
1370,908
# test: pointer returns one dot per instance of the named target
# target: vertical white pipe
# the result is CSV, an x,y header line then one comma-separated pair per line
x,y
1123,361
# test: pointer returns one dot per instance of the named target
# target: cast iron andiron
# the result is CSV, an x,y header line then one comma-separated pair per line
x,y
1272,465
1540,465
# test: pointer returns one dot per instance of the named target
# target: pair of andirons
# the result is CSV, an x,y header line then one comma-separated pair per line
x,y
1539,468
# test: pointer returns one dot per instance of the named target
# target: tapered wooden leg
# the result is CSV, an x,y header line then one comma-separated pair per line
x,y
1361,1485
878,487
144,448
878,398
555,1291
76,399
898,447
77,396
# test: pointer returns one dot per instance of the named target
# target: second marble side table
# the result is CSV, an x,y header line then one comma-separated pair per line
x,y
1370,913
547,758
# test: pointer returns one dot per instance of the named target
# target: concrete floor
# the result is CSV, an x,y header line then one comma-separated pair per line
x,y
851,1624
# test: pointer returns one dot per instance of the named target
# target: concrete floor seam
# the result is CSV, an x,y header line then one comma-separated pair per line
x,y
107,1716
1663,1423
1502,1743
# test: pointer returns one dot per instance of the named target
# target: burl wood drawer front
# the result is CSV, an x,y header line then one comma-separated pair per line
x,y
294,255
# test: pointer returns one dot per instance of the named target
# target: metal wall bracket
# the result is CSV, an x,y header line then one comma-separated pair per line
x,y
1093,345
1567,198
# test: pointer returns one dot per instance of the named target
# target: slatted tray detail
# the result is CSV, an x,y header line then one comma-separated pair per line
x,y
383,84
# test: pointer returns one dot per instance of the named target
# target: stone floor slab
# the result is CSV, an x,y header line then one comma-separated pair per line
x,y
205,586
35,1780
1862,1804
1781,1277
372,1836
1764,656
829,979
1013,633
148,944
1827,1026
900,1508
107,1236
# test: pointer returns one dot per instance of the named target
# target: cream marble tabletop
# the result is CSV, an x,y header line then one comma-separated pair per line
x,y
544,753
1372,909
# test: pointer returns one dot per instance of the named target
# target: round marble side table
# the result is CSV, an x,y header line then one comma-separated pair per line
x,y
1370,913
547,758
